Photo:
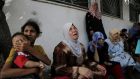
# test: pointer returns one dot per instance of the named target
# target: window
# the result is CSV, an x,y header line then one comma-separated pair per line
x,y
77,3
134,9
112,7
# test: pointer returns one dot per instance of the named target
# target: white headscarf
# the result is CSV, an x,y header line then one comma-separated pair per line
x,y
74,45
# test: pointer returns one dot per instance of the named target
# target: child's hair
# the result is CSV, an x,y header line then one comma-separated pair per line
x,y
124,30
19,33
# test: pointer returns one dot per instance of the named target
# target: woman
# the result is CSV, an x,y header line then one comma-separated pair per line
x,y
116,49
124,36
97,47
32,30
93,21
69,58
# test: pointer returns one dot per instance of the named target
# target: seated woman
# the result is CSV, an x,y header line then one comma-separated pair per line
x,y
32,31
116,49
69,57
24,59
97,47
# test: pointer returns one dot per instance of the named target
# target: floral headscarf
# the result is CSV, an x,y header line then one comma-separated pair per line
x,y
95,38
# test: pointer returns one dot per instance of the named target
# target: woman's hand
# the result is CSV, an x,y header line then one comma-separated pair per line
x,y
81,77
107,63
102,70
75,72
94,45
85,72
42,65
21,45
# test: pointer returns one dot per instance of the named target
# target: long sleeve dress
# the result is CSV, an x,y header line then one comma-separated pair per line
x,y
64,60
117,53
94,24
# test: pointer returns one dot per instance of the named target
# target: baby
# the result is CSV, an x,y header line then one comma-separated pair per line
x,y
23,59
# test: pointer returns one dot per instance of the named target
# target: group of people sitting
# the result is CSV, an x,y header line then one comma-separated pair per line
x,y
70,60
104,56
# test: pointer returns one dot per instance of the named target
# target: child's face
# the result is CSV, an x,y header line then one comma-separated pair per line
x,y
19,39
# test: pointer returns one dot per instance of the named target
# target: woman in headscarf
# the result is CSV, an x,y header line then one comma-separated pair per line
x,y
116,49
98,51
69,57
94,21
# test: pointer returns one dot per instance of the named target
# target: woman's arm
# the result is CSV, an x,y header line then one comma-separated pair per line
x,y
8,72
40,54
89,26
92,53
59,64
96,56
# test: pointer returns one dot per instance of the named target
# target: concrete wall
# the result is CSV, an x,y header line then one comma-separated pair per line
x,y
52,18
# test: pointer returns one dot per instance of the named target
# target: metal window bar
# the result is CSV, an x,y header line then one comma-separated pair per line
x,y
111,7
78,3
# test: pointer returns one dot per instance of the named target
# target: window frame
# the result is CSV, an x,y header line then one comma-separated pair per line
x,y
111,15
134,6
65,4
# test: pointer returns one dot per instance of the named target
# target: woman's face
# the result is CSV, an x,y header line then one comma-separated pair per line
x,y
73,33
101,41
95,6
115,36
31,33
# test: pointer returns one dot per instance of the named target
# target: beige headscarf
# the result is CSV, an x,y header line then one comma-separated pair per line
x,y
94,12
111,35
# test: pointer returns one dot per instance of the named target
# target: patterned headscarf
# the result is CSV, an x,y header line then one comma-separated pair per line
x,y
74,45
95,38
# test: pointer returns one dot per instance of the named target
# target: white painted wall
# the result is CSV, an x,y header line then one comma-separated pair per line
x,y
52,18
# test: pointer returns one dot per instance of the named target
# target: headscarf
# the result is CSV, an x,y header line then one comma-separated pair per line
x,y
95,38
74,45
94,13
112,32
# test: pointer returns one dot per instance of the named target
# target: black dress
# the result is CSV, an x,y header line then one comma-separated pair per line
x,y
95,24
5,36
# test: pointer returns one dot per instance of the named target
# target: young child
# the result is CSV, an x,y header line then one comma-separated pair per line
x,y
23,59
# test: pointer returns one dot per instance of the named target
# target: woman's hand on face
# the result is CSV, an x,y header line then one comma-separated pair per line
x,y
94,45
21,45
101,69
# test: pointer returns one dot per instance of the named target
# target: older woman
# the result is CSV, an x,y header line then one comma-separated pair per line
x,y
97,47
116,49
93,21
69,57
